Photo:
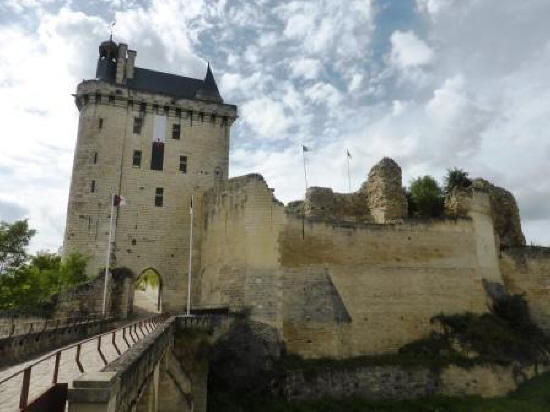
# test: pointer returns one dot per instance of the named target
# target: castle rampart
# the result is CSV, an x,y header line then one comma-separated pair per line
x,y
338,287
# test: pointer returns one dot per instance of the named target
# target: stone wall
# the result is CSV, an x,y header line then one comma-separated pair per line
x,y
526,270
395,382
379,284
18,348
86,299
336,288
322,202
240,255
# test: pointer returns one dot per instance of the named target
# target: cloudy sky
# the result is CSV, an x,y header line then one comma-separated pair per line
x,y
431,83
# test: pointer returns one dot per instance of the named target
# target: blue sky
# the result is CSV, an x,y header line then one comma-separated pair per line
x,y
433,84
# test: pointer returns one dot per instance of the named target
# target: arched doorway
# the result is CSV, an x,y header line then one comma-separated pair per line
x,y
148,292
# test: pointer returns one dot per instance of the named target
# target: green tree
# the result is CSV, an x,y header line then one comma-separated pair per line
x,y
426,197
14,239
456,178
29,287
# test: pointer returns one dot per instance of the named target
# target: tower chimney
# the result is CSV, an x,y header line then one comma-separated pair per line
x,y
121,63
130,62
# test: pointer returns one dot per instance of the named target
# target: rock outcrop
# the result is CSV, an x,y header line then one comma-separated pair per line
x,y
505,213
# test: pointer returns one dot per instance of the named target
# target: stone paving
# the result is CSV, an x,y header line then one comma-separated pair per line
x,y
41,374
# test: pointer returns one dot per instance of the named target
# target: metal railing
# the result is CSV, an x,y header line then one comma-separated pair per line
x,y
129,334
15,326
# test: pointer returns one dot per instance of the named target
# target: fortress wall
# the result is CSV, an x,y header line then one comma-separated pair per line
x,y
338,289
240,266
353,290
526,270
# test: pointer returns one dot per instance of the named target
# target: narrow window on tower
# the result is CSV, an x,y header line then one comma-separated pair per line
x,y
95,158
136,158
100,123
159,197
138,123
159,131
183,164
176,131
92,186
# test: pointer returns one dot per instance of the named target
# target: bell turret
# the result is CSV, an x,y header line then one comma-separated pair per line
x,y
107,62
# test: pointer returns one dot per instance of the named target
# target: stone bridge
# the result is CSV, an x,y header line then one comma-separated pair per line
x,y
165,371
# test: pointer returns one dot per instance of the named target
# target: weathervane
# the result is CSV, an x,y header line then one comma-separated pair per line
x,y
111,28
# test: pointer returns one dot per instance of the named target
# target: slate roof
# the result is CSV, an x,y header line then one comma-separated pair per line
x,y
166,83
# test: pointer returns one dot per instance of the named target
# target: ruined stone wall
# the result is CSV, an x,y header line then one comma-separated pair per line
x,y
146,236
322,202
338,288
386,199
526,270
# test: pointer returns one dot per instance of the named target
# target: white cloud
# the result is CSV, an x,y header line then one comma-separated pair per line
x,y
324,93
266,117
306,68
408,50
467,86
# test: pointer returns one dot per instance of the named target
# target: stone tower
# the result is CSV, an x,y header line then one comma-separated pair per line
x,y
155,139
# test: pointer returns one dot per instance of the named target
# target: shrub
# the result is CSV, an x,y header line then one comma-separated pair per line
x,y
456,178
425,197
505,335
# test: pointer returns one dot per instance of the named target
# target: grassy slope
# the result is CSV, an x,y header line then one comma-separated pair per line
x,y
533,396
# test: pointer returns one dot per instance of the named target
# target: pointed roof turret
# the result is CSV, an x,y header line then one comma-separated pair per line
x,y
209,90
209,82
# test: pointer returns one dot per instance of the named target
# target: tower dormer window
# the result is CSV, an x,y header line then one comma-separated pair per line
x,y
100,123
92,186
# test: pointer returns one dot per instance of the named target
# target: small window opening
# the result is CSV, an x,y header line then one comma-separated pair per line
x,y
95,158
178,112
136,158
166,109
138,123
100,123
111,98
159,197
92,186
130,103
97,98
142,107
155,108
176,131
183,164
134,242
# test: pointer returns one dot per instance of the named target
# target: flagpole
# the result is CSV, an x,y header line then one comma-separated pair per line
x,y
304,156
349,176
108,257
190,259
